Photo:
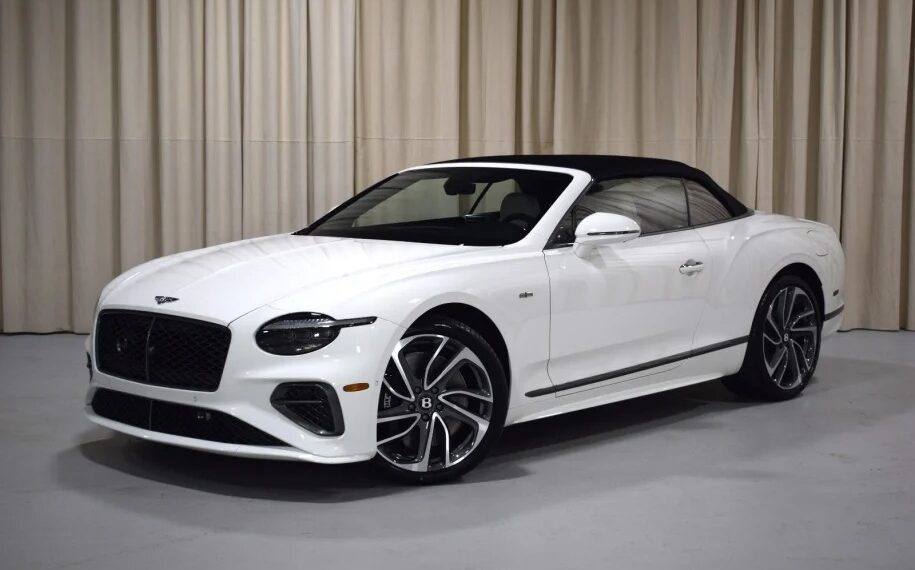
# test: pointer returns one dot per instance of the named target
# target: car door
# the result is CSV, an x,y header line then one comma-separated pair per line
x,y
627,309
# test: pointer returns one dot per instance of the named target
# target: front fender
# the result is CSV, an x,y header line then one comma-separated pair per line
x,y
492,285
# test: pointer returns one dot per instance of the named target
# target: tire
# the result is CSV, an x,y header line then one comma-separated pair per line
x,y
784,344
442,404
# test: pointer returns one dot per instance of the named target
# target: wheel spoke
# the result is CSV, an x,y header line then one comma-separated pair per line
x,y
436,418
795,367
781,301
465,355
468,393
438,351
804,331
394,414
403,371
803,315
402,433
801,357
770,339
781,369
772,365
772,323
396,392
427,430
790,297
770,317
479,424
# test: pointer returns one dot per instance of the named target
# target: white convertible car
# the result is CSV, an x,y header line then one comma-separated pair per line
x,y
416,320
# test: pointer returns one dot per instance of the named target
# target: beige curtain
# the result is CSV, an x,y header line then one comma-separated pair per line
x,y
136,128
133,129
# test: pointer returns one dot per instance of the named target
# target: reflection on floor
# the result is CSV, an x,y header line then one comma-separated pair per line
x,y
691,478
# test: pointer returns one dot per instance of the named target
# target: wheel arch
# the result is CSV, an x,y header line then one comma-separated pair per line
x,y
753,254
809,275
480,322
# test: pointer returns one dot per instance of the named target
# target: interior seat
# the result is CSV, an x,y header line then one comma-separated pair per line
x,y
519,204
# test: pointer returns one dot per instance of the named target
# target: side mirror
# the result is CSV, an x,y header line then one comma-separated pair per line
x,y
603,228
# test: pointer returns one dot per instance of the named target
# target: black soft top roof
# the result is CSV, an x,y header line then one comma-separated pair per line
x,y
605,167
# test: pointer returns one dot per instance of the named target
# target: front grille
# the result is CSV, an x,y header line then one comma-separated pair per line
x,y
178,419
161,350
312,405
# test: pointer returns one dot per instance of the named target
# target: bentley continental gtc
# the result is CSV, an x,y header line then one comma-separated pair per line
x,y
412,323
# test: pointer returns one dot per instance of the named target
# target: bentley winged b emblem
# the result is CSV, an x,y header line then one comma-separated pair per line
x,y
162,299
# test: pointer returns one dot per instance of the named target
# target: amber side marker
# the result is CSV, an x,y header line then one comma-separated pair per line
x,y
356,387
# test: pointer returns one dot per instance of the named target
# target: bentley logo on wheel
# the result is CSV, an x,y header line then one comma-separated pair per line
x,y
162,299
426,403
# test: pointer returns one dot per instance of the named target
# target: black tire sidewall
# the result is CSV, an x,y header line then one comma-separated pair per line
x,y
753,375
474,341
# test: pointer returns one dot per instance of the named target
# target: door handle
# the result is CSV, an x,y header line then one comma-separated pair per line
x,y
691,266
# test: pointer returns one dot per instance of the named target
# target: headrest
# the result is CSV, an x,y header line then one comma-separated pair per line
x,y
519,203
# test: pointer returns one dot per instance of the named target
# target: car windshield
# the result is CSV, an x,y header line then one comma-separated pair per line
x,y
459,206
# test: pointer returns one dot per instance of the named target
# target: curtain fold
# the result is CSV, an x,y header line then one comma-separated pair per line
x,y
873,213
727,120
131,129
408,75
907,295
626,78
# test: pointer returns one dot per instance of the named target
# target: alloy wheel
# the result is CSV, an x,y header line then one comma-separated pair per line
x,y
435,404
791,334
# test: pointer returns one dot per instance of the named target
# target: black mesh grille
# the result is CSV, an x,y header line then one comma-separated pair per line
x,y
161,350
120,340
311,405
178,419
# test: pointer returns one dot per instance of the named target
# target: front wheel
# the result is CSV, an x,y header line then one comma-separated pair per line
x,y
784,343
442,404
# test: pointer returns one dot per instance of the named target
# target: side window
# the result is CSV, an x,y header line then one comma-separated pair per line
x,y
658,204
704,207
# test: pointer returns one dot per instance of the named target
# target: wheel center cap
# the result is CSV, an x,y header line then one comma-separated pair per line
x,y
786,338
426,402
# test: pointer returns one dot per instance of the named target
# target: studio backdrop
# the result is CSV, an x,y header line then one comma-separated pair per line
x,y
137,128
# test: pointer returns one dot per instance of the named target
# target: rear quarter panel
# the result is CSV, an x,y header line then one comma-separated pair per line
x,y
747,254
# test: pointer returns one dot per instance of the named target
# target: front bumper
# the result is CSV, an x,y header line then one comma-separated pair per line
x,y
253,451
250,376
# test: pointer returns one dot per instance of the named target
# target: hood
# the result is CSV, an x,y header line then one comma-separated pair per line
x,y
224,282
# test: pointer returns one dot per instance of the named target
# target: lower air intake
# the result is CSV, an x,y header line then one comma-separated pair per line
x,y
312,405
178,419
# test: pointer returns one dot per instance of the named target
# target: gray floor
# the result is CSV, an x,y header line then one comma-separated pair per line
x,y
691,478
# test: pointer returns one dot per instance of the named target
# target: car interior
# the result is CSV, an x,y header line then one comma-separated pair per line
x,y
461,206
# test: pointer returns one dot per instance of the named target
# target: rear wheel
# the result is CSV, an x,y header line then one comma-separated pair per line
x,y
784,343
442,403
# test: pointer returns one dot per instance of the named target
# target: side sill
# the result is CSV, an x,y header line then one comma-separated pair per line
x,y
638,367
833,314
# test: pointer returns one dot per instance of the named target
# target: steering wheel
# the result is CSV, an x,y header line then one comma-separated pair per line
x,y
527,221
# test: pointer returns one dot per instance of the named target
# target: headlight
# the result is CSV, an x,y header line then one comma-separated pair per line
x,y
300,333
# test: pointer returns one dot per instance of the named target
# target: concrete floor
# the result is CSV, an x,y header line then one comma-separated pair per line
x,y
691,478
